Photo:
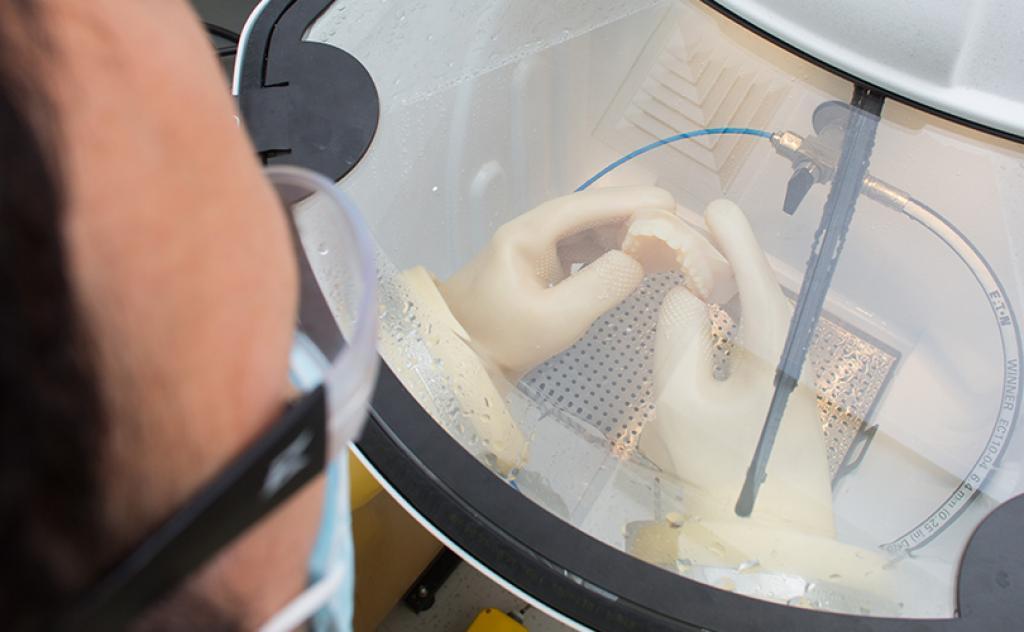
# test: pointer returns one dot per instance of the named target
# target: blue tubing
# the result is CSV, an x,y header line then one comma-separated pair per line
x,y
746,131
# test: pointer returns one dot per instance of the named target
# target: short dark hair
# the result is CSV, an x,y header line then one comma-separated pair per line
x,y
53,539
51,416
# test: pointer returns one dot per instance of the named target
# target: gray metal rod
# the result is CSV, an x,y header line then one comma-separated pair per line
x,y
828,244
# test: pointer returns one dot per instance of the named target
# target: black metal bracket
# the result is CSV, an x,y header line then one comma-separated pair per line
x,y
304,103
421,595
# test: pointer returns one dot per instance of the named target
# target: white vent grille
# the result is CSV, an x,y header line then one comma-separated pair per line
x,y
692,75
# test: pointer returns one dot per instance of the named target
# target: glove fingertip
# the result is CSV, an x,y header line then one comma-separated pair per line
x,y
682,316
722,213
619,274
683,346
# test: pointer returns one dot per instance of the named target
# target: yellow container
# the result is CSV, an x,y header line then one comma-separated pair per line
x,y
491,620
362,485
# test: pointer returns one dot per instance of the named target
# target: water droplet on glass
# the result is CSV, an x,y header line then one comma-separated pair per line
x,y
407,308
747,565
683,564
674,519
434,189
323,249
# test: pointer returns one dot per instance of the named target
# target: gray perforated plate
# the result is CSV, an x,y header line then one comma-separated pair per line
x,y
606,379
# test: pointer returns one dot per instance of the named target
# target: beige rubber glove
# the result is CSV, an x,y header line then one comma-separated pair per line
x,y
430,353
706,430
517,300
759,553
663,242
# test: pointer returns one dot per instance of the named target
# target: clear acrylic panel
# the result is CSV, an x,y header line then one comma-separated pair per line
x,y
897,440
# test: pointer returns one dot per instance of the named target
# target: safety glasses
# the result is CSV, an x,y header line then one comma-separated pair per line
x,y
334,363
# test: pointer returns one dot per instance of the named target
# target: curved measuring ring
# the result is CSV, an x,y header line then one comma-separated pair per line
x,y
1009,334
1012,391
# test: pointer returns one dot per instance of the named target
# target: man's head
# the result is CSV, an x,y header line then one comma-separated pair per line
x,y
149,292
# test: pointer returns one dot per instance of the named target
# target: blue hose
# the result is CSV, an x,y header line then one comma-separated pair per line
x,y
746,131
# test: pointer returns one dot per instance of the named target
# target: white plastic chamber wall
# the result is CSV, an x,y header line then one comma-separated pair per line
x,y
491,107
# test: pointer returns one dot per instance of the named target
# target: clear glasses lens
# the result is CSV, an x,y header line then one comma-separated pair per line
x,y
336,332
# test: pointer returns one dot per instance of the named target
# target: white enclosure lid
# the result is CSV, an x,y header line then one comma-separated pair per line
x,y
962,58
